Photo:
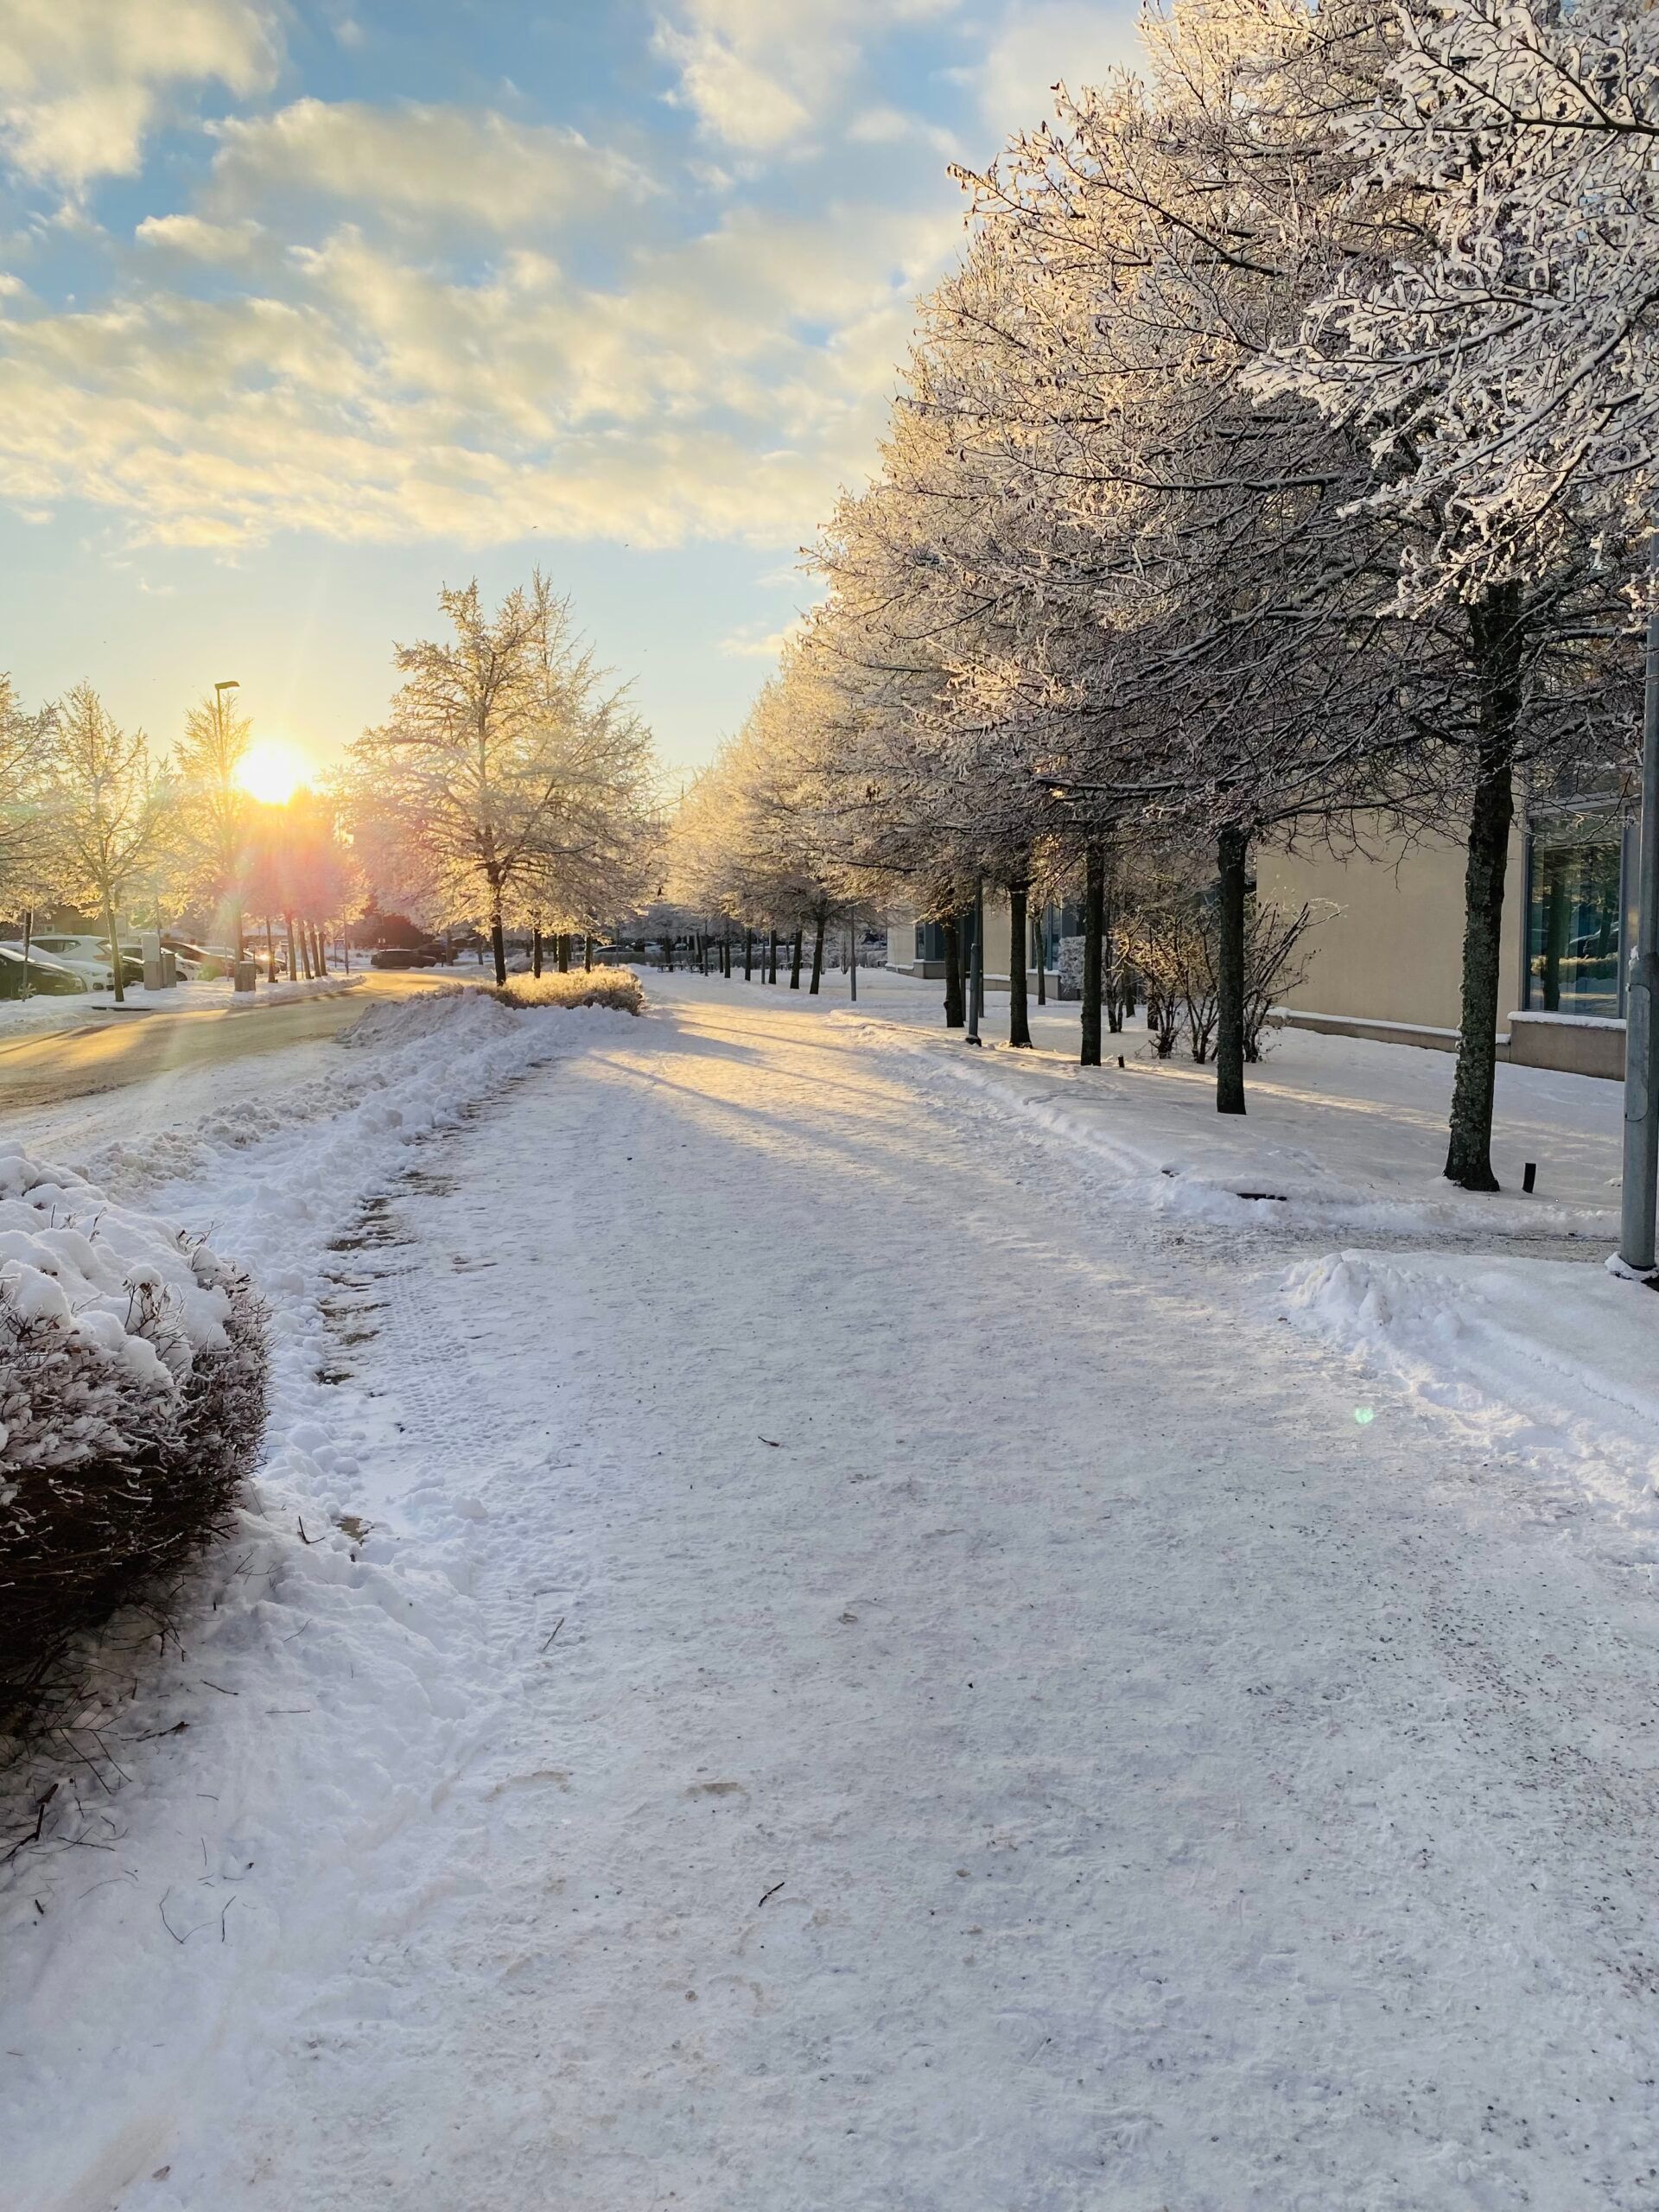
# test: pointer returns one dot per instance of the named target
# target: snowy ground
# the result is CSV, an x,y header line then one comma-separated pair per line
x,y
23,1017
810,1638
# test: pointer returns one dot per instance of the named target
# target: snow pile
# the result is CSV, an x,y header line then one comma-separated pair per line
x,y
1535,1355
131,1399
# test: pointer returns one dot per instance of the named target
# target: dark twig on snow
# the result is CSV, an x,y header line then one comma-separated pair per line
x,y
773,1891
558,1625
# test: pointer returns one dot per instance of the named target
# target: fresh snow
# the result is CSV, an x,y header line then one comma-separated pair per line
x,y
806,1638
129,1303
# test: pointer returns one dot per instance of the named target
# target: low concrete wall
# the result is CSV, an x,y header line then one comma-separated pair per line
x,y
1576,1044
1379,1032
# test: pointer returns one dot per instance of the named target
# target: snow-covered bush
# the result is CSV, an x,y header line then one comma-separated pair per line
x,y
618,988
132,1387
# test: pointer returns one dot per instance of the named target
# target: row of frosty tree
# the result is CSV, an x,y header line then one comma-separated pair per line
x,y
1275,465
511,786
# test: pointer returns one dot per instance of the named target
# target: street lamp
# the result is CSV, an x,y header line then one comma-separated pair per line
x,y
230,683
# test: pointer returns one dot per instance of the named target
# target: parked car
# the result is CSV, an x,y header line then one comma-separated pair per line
x,y
91,956
402,956
44,978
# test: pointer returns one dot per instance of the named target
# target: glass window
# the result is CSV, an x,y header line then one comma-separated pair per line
x,y
1574,915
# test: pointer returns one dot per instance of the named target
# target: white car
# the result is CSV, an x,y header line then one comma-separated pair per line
x,y
90,957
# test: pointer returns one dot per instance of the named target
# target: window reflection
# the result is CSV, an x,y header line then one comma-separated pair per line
x,y
1573,918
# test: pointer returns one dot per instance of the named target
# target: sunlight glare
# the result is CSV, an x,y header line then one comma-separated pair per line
x,y
273,771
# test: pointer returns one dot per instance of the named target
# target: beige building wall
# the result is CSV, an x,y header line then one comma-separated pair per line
x,y
1392,948
901,942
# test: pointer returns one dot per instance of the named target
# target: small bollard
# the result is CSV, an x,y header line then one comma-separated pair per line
x,y
1528,1176
246,975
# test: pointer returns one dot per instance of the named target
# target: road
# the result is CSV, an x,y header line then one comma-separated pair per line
x,y
88,1056
866,1675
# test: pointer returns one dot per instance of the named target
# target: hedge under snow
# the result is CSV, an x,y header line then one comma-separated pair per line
x,y
132,1387
617,987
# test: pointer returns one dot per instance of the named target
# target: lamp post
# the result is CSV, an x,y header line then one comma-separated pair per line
x,y
228,684
976,966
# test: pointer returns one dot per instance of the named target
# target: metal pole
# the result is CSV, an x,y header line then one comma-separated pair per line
x,y
1640,1180
979,948
976,969
852,932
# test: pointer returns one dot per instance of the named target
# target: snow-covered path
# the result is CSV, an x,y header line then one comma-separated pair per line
x,y
953,1710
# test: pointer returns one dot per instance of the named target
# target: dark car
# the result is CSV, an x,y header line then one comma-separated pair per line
x,y
402,956
43,976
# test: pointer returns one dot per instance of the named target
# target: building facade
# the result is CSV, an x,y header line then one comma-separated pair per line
x,y
1385,960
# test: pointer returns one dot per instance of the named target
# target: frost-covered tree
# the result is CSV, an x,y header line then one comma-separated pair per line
x,y
1508,370
510,768
24,852
108,810
1492,374
215,808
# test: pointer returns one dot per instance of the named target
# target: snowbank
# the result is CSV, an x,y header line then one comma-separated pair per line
x,y
1531,1354
307,1696
1341,1133
131,1395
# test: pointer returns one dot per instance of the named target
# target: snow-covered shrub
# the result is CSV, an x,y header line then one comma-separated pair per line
x,y
618,988
132,1388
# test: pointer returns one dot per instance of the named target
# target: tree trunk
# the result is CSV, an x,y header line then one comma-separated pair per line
x,y
1094,945
955,1004
1231,849
818,959
564,952
1039,941
748,953
586,952
270,952
1469,1157
1495,638
305,950
795,960
535,950
769,959
499,948
1019,1020
1111,991
322,949
292,956
115,949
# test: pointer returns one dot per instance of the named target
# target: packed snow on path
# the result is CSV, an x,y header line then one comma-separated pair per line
x,y
835,1659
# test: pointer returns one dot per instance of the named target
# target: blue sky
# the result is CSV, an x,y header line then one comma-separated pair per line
x,y
307,308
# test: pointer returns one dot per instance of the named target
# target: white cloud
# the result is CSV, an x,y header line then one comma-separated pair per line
x,y
759,74
891,126
195,239
753,642
82,82
1045,42
416,162
697,395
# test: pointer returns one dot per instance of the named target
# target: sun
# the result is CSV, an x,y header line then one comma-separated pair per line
x,y
273,771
